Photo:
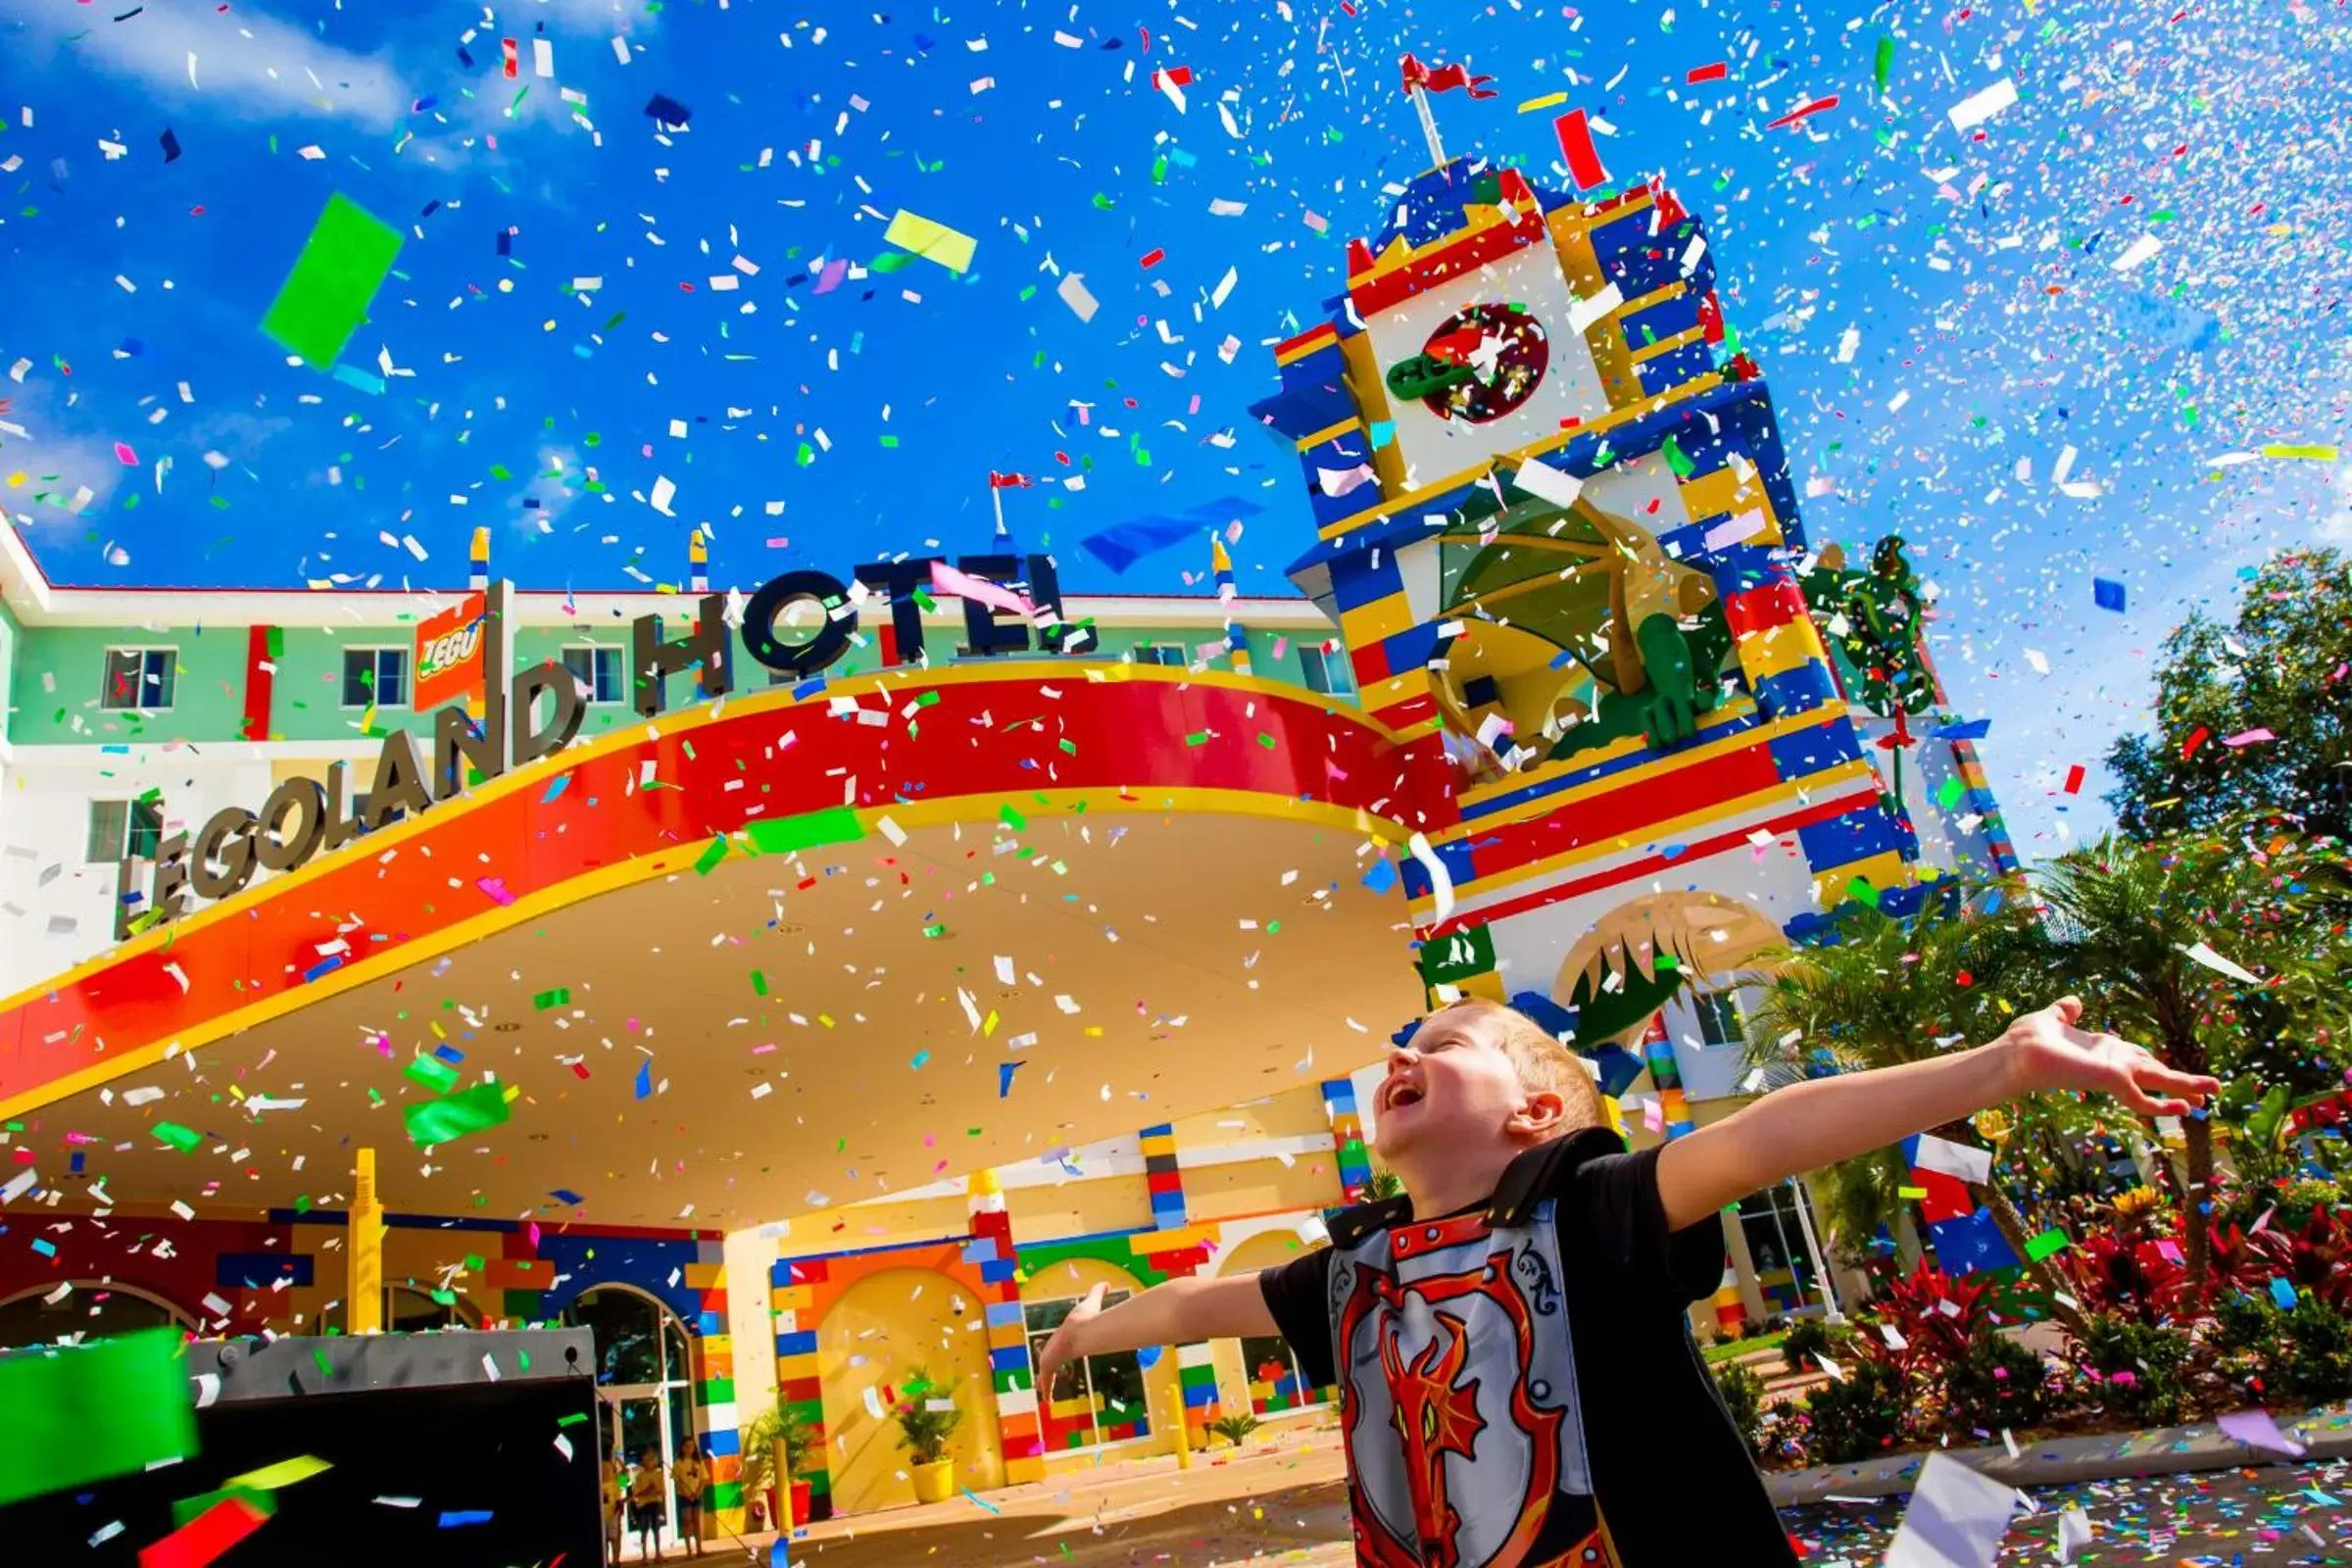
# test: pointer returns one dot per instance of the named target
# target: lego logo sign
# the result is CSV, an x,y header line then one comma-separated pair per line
x,y
449,653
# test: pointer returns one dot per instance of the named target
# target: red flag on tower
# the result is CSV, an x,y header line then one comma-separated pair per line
x,y
1009,481
1444,78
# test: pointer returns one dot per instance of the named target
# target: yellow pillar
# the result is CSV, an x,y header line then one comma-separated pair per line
x,y
1184,1435
364,1252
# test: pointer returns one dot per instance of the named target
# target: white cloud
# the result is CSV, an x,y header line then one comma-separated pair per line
x,y
246,65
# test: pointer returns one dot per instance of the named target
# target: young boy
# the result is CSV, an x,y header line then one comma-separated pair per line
x,y
1518,1384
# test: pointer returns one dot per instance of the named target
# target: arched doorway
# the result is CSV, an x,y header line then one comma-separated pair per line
x,y
645,1379
93,1309
1269,1368
883,1327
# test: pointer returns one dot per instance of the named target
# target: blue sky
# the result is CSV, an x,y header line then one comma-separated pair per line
x,y
1934,306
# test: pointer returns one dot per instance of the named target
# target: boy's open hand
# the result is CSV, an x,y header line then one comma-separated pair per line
x,y
2047,1050
1062,1347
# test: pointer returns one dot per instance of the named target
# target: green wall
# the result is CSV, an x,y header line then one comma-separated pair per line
x,y
306,705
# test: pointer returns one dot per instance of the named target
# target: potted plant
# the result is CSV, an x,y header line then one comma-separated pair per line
x,y
775,1448
927,1416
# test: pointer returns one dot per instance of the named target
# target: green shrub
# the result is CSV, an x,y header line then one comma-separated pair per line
x,y
1996,1383
1809,1336
1743,1395
2310,1358
1236,1429
1859,1416
2139,1368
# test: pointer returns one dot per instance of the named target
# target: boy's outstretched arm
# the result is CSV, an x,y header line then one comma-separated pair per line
x,y
1176,1313
1807,1126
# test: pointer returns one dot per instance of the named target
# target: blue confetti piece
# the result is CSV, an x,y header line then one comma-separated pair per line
x,y
449,1054
326,965
1382,876
564,1194
1148,1357
2107,594
459,1518
2283,1293
645,1079
1005,1072
920,1058
555,787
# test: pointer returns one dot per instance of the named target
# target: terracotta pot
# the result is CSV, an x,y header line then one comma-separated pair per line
x,y
935,1481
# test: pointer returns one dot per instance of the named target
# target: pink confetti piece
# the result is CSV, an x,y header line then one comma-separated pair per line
x,y
495,890
124,454
2248,737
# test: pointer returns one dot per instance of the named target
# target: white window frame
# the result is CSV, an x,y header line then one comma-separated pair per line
x,y
620,671
408,676
139,704
1339,675
123,839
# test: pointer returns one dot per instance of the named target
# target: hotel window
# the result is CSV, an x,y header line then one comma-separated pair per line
x,y
123,828
1719,1020
1096,1399
375,676
139,679
1172,654
1324,669
597,669
1275,1381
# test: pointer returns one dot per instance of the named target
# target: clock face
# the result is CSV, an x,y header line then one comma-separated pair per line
x,y
1480,363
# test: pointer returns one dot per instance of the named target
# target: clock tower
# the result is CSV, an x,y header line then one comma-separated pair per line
x,y
1558,533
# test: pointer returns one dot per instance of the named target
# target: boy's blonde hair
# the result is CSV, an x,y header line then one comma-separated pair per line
x,y
1542,1062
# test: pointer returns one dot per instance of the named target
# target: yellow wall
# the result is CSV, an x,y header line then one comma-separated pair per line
x,y
1163,1393
1260,1187
882,1329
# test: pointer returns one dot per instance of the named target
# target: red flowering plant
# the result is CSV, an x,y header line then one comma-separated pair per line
x,y
1935,1315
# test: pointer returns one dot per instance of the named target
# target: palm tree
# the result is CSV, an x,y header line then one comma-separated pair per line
x,y
1886,991
2148,935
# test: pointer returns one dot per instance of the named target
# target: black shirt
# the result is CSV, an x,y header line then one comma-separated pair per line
x,y
1518,1382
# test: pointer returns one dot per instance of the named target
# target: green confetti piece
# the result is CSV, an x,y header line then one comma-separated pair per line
x,y
109,1409
713,854
1862,892
759,983
2048,1244
432,1072
1883,63
1948,795
184,1509
326,297
440,1121
835,824
183,1139
558,997
1012,818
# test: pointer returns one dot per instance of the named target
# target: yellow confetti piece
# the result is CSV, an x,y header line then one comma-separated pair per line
x,y
2309,450
933,241
284,1473
1550,100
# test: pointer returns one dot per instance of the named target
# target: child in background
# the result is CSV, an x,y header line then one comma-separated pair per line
x,y
691,1475
649,1510
616,1491
1518,1384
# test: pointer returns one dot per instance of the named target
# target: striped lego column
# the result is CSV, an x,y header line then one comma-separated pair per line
x,y
1666,1076
800,1388
1009,1370
698,564
478,562
1730,1311
1980,800
1779,650
1179,1248
716,1422
1237,642
477,580
1347,1137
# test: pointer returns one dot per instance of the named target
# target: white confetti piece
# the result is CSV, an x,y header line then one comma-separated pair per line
x,y
1979,107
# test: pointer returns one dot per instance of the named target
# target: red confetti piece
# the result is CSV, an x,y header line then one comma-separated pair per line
x,y
203,1539
1576,145
2074,779
2197,737
1713,72
511,62
1154,257
1173,76
1795,115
